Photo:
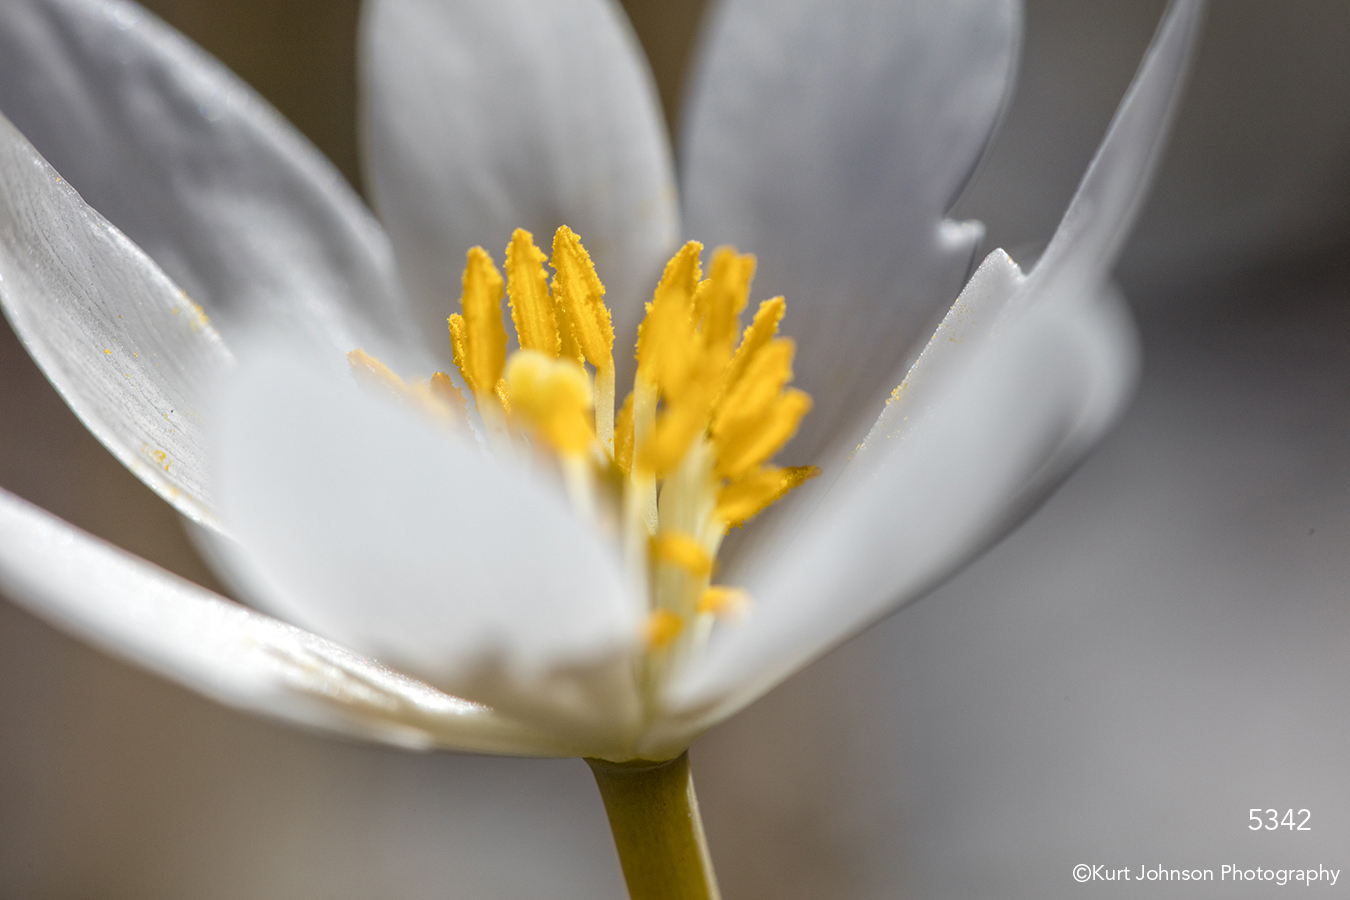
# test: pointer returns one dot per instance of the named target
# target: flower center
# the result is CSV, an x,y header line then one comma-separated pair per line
x,y
686,458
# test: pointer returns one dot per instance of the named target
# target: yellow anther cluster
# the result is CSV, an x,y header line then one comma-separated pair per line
x,y
739,401
691,443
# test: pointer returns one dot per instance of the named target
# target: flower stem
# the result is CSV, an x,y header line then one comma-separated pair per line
x,y
657,830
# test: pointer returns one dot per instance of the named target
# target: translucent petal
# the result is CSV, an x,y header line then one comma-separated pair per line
x,y
484,117
378,528
829,139
149,617
126,348
191,164
1090,236
1040,394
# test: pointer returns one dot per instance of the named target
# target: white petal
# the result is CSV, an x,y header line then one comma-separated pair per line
x,y
156,620
830,139
1019,381
953,348
120,341
378,528
1040,393
484,117
1094,228
1085,245
196,168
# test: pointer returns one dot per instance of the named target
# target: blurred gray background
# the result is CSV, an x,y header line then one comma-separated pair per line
x,y
1165,645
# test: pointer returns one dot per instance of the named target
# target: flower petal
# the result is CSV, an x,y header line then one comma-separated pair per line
x,y
829,139
1041,392
121,342
1085,245
197,169
954,347
380,529
149,617
992,422
1093,231
486,117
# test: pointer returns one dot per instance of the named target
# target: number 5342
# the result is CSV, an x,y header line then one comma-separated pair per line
x,y
1270,819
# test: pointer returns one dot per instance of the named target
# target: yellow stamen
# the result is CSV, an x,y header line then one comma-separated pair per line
x,y
567,341
757,336
685,364
459,343
445,391
749,496
639,496
681,550
726,295
604,417
744,448
623,436
666,350
554,397
758,387
371,371
678,426
527,286
701,295
582,296
478,336
724,602
662,627
441,400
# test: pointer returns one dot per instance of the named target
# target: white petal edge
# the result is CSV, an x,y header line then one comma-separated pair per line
x,y
480,118
124,346
374,525
830,139
196,168
1040,393
1093,231
143,615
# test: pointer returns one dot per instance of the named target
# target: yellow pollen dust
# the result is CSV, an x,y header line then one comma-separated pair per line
x,y
686,454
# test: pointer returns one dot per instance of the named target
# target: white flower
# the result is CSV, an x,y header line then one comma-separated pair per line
x,y
826,137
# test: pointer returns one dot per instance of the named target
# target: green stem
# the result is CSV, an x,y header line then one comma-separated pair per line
x,y
657,830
